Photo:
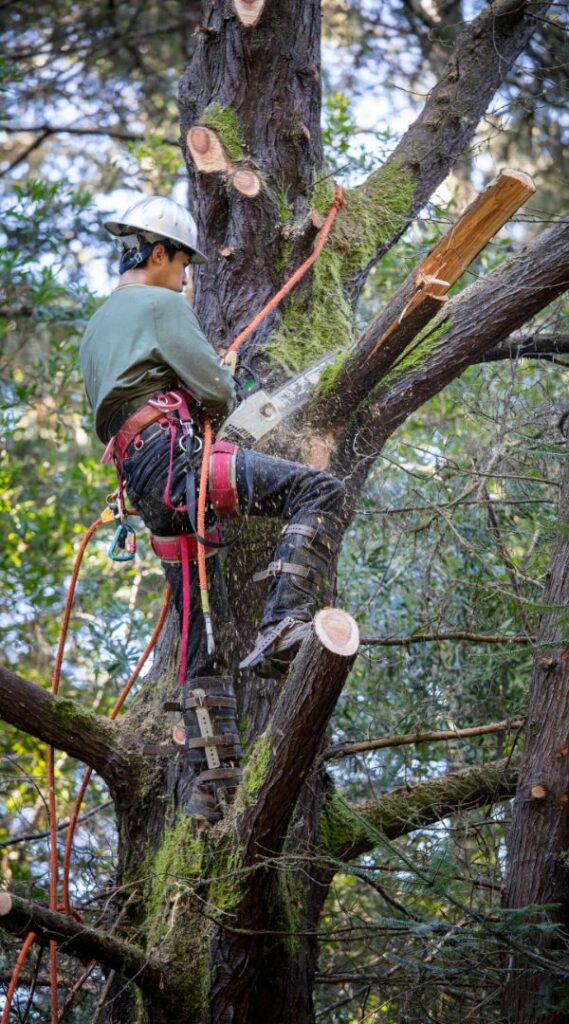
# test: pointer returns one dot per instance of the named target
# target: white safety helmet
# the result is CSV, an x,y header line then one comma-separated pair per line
x,y
156,218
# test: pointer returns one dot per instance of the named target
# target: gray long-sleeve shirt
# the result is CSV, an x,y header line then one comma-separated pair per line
x,y
145,339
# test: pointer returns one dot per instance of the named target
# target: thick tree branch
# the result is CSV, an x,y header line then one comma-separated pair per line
x,y
533,346
406,739
67,726
455,634
479,318
289,748
411,807
425,291
485,53
19,916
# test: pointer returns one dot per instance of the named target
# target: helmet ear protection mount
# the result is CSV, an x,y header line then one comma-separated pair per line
x,y
135,250
154,219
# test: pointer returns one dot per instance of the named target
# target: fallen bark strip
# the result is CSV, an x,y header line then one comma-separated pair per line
x,y
296,731
19,916
411,807
407,739
481,317
483,56
425,290
426,638
67,726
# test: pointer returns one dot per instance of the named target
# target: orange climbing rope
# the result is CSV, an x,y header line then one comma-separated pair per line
x,y
202,575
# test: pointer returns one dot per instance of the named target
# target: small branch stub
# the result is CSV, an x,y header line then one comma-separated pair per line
x,y
207,151
246,182
249,11
538,792
337,631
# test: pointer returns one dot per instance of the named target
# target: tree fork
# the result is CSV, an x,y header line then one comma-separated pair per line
x,y
425,290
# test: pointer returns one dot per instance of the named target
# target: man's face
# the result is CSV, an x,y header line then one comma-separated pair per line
x,y
172,274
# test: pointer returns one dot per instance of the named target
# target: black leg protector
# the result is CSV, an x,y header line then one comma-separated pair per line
x,y
212,744
301,573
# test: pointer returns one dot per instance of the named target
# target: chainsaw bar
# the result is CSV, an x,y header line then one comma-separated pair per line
x,y
258,415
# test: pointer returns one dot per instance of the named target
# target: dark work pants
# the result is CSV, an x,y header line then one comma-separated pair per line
x,y
266,486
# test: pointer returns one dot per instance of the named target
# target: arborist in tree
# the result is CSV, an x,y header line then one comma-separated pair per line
x,y
151,376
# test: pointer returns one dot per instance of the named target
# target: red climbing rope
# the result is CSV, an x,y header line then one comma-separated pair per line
x,y
298,273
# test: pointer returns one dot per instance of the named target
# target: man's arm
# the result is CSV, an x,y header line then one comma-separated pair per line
x,y
182,344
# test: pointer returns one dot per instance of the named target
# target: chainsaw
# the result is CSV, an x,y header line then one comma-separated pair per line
x,y
261,412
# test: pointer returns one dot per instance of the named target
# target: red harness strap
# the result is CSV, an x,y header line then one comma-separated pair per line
x,y
183,549
222,482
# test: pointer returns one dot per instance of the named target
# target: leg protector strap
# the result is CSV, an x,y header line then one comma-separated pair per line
x,y
294,568
222,480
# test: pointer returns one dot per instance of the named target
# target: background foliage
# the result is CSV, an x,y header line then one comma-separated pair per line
x,y
453,533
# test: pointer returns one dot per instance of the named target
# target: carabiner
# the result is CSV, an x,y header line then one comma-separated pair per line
x,y
125,536
197,443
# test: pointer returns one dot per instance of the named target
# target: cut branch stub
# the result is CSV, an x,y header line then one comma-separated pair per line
x,y
337,631
474,228
249,11
459,247
246,182
207,151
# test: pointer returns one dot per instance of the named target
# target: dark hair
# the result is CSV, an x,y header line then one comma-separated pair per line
x,y
138,256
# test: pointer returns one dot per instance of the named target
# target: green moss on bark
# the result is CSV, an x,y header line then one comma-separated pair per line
x,y
322,321
330,374
174,926
339,828
290,900
420,349
255,771
223,121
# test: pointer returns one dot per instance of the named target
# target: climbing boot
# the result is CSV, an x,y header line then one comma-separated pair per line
x,y
212,744
301,574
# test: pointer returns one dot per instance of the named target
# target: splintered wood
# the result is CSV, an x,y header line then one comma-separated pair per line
x,y
446,263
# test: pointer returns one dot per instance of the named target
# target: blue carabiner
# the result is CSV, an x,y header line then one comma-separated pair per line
x,y
120,540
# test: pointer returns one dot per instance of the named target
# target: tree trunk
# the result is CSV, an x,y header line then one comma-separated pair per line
x,y
538,846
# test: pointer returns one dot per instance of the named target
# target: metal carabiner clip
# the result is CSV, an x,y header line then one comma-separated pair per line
x,y
197,443
123,541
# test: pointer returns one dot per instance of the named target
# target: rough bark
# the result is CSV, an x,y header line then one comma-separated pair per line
x,y
20,916
68,726
415,806
538,845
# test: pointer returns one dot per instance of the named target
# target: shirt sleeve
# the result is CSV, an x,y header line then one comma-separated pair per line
x,y
181,344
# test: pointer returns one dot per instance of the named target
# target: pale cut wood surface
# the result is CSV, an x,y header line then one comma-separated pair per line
x,y
249,11
337,631
207,151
